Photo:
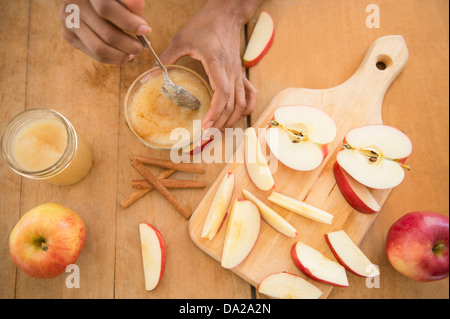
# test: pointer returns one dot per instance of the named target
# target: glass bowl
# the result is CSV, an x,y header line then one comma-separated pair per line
x,y
131,117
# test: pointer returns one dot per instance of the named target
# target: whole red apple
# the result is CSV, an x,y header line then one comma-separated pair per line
x,y
47,239
417,246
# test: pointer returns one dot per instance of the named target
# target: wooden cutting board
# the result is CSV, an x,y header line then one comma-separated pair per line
x,y
356,102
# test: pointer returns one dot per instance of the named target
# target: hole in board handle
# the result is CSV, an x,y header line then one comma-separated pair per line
x,y
383,62
381,66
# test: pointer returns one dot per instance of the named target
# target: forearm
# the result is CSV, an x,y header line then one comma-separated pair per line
x,y
240,10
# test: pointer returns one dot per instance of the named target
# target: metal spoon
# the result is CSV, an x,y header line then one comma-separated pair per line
x,y
175,93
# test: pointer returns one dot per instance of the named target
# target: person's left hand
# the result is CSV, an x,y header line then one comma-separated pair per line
x,y
213,38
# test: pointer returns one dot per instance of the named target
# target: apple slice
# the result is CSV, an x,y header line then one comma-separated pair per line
x,y
270,216
242,232
318,267
284,285
260,40
374,155
255,162
349,254
356,194
218,209
298,136
196,148
153,254
301,208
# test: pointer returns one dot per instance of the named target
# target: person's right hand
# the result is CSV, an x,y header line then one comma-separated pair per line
x,y
105,29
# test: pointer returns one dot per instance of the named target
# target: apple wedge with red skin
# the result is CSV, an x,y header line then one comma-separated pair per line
x,y
241,234
198,147
285,285
298,136
318,267
356,194
349,255
46,240
153,251
417,246
260,41
374,155
218,209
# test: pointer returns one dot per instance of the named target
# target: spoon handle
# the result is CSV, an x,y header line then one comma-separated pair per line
x,y
147,44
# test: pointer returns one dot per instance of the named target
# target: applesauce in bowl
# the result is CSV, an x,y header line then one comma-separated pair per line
x,y
153,118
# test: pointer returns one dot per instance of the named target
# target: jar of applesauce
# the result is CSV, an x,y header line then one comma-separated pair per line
x,y
42,144
152,117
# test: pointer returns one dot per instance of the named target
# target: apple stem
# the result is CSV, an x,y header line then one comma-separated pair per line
x,y
407,167
44,247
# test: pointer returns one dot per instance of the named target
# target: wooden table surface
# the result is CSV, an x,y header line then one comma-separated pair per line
x,y
318,44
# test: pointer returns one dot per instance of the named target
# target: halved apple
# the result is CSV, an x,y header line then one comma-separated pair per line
x,y
242,232
298,136
318,267
260,40
284,285
374,155
218,209
301,208
153,254
255,162
270,216
356,194
349,254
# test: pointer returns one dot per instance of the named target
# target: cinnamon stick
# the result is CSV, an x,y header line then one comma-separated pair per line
x,y
185,167
156,183
137,194
169,183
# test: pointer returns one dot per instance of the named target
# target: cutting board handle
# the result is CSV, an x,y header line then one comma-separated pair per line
x,y
384,60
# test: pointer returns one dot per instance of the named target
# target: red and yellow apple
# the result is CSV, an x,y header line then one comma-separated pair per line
x,y
298,136
417,246
46,240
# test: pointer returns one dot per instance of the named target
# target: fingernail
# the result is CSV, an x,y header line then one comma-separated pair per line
x,y
130,58
143,29
208,125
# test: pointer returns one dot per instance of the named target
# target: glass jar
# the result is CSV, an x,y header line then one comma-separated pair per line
x,y
42,144
152,118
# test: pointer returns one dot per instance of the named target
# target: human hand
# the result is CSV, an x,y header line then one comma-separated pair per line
x,y
212,36
106,27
